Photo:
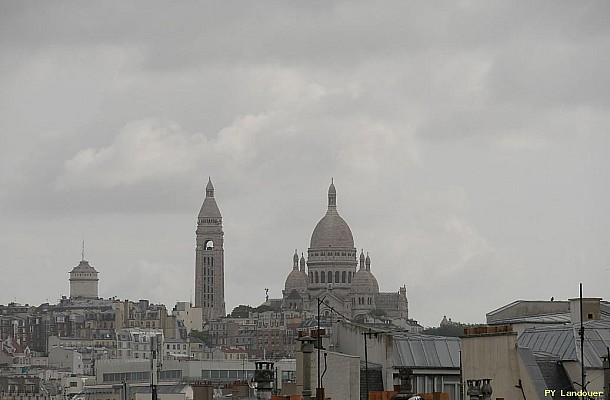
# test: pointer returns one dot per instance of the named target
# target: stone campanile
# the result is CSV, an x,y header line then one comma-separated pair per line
x,y
209,259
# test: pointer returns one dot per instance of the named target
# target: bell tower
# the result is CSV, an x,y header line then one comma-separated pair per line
x,y
209,258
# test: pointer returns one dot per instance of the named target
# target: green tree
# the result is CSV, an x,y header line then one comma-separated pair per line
x,y
241,311
263,308
455,329
378,313
203,336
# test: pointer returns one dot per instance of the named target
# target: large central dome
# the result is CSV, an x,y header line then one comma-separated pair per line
x,y
332,230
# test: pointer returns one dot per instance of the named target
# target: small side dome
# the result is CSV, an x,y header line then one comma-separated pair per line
x,y
364,282
296,280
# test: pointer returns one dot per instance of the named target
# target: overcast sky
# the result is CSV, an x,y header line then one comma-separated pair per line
x,y
468,141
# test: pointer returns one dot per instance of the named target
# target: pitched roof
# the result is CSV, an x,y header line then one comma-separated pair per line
x,y
426,351
563,342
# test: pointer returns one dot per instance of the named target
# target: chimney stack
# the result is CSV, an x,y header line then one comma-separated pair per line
x,y
591,309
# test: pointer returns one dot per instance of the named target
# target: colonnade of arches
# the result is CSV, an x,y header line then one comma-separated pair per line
x,y
327,277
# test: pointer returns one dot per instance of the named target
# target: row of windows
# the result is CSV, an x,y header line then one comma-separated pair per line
x,y
140,376
431,383
15,388
327,277
362,301
176,345
209,220
336,253
226,374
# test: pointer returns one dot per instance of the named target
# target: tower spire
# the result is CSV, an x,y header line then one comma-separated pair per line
x,y
209,189
295,261
332,196
83,250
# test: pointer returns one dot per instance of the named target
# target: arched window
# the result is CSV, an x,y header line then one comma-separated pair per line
x,y
209,245
310,277
337,277
343,277
316,276
322,277
330,277
349,277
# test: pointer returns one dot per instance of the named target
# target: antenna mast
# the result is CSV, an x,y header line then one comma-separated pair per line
x,y
582,345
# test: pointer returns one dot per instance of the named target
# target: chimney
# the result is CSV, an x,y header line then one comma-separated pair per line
x,y
591,309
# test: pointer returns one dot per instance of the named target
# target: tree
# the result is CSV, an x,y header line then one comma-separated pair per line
x,y
263,308
203,336
378,313
455,329
241,311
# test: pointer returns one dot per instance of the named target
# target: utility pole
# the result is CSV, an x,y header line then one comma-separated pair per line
x,y
607,374
581,331
320,389
367,335
155,363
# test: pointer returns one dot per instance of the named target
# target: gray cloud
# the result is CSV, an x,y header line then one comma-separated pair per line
x,y
468,142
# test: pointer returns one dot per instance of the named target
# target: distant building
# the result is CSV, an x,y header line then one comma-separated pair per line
x,y
190,316
67,359
24,386
83,281
334,273
176,348
136,343
216,371
209,259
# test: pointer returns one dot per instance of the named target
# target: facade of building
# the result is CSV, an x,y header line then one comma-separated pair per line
x,y
67,359
137,343
333,271
209,259
190,316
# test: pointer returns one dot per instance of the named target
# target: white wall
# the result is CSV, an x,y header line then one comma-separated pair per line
x,y
341,380
496,357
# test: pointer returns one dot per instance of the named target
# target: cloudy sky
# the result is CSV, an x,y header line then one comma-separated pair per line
x,y
468,141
